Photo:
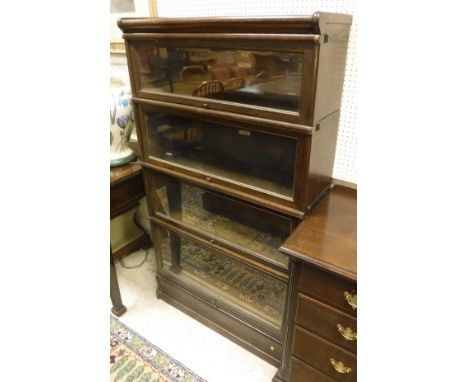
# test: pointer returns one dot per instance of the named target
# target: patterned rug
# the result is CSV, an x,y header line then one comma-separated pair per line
x,y
135,359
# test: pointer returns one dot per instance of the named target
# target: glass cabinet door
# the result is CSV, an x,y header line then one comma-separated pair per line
x,y
255,159
252,228
255,77
225,281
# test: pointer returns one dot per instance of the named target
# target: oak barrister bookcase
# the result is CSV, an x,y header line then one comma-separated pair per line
x,y
237,121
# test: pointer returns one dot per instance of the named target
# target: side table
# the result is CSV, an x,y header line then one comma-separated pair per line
x,y
126,189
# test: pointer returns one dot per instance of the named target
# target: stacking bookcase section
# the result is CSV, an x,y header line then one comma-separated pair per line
x,y
206,70
260,75
252,232
233,296
281,166
237,121
264,67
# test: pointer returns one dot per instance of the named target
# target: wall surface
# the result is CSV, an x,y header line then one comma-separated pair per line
x,y
345,159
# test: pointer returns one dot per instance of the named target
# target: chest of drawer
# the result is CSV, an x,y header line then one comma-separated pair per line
x,y
334,291
327,323
324,356
301,372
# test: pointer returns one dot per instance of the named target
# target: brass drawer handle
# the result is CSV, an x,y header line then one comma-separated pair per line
x,y
340,367
347,333
351,299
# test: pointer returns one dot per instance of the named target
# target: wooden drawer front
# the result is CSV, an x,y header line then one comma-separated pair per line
x,y
301,372
126,194
238,330
319,353
327,288
321,320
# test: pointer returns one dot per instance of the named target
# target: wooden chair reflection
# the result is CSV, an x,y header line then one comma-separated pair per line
x,y
234,83
209,88
193,72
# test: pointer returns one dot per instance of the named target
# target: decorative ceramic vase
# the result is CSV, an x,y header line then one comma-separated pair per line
x,y
121,126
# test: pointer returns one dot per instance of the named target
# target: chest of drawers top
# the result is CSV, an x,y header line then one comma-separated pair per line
x,y
327,238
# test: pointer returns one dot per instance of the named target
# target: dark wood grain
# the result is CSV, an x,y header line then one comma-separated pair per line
x,y
319,98
324,247
235,328
126,188
289,316
230,116
302,372
118,308
121,173
289,24
322,320
309,117
286,24
310,181
327,288
318,353
327,238
331,61
223,187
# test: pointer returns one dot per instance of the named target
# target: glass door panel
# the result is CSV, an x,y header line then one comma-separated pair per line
x,y
254,77
252,228
257,159
228,282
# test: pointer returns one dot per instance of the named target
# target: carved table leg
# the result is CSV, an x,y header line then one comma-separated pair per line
x,y
117,307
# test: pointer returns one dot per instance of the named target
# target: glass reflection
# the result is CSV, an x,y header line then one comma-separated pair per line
x,y
254,229
254,77
254,158
229,281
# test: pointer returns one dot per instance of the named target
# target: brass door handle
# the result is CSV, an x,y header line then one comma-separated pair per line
x,y
351,299
340,367
347,333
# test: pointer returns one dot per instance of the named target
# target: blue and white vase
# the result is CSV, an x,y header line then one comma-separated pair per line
x,y
121,126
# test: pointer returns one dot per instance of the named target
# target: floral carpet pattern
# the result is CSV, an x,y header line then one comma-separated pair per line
x,y
135,359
